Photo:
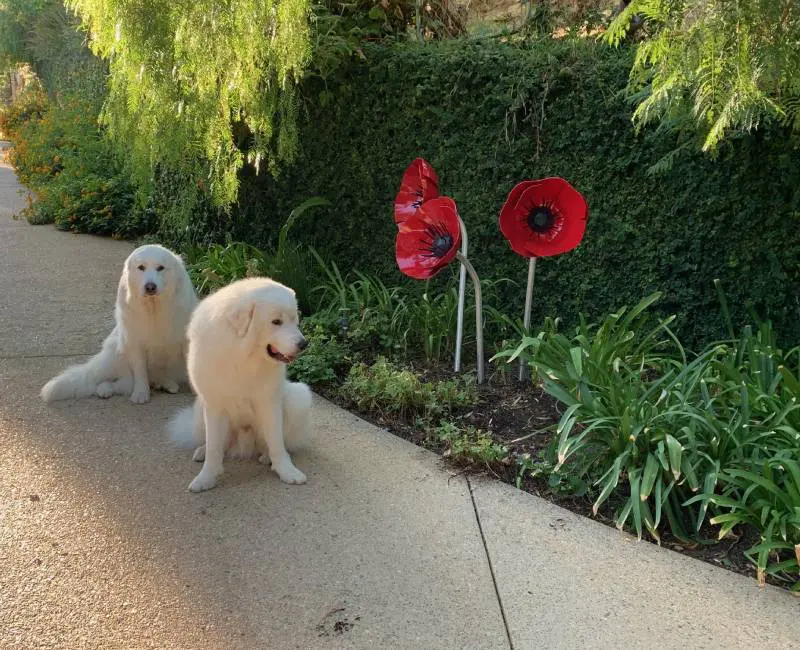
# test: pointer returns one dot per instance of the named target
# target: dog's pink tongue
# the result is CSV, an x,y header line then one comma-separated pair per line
x,y
279,355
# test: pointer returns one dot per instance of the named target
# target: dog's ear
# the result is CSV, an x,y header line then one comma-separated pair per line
x,y
241,317
126,290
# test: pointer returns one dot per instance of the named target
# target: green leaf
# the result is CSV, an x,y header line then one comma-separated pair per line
x,y
649,477
634,480
294,215
674,451
624,514
609,481
576,355
709,484
792,382
689,473
553,389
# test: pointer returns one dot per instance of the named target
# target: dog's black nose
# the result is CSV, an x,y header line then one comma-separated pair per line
x,y
150,288
302,344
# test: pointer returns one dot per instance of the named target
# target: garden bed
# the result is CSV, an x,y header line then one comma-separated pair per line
x,y
504,408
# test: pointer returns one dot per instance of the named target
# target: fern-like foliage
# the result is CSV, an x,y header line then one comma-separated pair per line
x,y
44,35
724,66
201,80
16,18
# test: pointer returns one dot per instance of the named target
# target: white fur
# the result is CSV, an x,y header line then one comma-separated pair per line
x,y
245,405
147,347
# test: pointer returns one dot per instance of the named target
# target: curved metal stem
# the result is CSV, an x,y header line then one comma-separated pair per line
x,y
526,319
478,312
462,282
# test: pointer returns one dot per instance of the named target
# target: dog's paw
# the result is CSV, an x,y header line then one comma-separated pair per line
x,y
140,394
264,459
199,454
171,387
105,390
203,481
290,474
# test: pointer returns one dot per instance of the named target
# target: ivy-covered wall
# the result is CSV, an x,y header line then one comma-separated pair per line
x,y
488,115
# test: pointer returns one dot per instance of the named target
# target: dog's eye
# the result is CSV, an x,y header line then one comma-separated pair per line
x,y
159,268
141,267
277,322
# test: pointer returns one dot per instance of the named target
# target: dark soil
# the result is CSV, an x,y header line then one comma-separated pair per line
x,y
523,418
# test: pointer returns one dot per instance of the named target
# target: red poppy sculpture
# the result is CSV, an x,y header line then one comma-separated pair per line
x,y
544,218
541,219
429,234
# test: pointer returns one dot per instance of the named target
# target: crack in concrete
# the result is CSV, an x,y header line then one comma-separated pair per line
x,y
491,566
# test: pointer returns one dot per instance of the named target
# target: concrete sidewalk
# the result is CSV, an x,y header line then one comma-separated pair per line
x,y
102,546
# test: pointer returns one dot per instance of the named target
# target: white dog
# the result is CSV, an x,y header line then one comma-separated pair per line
x,y
240,339
147,346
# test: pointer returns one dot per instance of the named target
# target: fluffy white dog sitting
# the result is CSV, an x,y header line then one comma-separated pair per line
x,y
147,346
240,339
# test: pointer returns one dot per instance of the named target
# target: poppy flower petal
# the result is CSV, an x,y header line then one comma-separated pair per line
x,y
510,224
406,205
429,240
516,193
571,202
419,184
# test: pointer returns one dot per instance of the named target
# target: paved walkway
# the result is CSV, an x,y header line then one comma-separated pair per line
x,y
102,546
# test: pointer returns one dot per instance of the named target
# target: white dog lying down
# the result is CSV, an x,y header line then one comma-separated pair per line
x,y
240,339
147,346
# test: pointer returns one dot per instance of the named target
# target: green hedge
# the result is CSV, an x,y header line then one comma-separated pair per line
x,y
488,115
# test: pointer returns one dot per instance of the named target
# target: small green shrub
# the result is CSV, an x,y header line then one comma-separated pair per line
x,y
543,466
765,494
381,387
752,389
468,444
216,266
619,381
326,357
371,313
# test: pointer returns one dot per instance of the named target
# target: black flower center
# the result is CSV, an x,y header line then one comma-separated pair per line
x,y
541,219
438,241
441,245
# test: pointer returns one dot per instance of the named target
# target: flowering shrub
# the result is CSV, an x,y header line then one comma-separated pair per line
x,y
31,104
76,181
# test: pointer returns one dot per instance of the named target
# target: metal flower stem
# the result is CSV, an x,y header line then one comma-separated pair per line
x,y
462,282
526,319
478,312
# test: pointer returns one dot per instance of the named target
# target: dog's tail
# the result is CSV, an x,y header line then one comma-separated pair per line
x,y
81,380
187,427
296,416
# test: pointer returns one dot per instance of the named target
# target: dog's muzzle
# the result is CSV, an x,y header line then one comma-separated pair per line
x,y
276,354
150,289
